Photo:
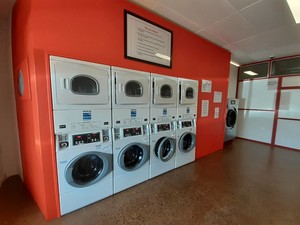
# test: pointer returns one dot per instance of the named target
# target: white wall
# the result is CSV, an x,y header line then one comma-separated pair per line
x,y
232,81
9,139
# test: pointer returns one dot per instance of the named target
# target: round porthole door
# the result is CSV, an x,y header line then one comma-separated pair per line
x,y
82,84
88,168
231,118
133,89
133,156
187,142
165,148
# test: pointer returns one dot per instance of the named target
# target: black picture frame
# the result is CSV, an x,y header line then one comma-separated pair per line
x,y
146,41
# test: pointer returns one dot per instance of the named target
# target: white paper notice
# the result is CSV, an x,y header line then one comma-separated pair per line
x,y
217,97
217,113
206,86
204,108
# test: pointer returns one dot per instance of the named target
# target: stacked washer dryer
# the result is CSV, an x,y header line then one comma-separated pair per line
x,y
163,110
130,118
186,124
82,126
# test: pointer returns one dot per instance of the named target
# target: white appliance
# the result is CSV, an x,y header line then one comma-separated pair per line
x,y
162,148
163,115
131,156
188,98
79,85
130,88
231,119
163,90
84,157
186,123
130,114
186,142
130,97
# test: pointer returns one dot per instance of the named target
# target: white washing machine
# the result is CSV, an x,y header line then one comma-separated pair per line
x,y
162,148
78,84
186,123
231,119
163,115
84,157
131,156
186,142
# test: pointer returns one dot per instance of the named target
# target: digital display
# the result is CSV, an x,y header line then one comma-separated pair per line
x,y
163,127
86,138
186,124
134,131
232,102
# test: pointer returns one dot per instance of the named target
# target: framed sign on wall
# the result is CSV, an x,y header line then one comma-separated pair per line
x,y
146,41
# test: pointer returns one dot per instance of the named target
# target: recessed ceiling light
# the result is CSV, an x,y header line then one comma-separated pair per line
x,y
234,63
251,73
295,8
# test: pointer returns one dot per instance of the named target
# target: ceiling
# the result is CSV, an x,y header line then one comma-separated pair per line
x,y
252,30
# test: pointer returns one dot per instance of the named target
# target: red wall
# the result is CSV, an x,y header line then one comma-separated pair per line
x,y
93,30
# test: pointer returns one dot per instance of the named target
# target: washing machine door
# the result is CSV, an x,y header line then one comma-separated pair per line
x,y
187,142
133,156
231,118
165,148
164,90
88,168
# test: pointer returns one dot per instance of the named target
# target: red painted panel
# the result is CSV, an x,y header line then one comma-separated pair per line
x,y
93,30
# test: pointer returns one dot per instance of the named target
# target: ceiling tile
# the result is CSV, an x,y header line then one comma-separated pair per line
x,y
177,18
232,29
203,13
212,38
241,4
268,14
150,4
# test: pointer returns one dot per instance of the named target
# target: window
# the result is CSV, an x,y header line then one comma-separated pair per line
x,y
253,71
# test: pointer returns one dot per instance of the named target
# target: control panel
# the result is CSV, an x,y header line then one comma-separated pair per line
x,y
120,133
134,131
186,124
163,127
79,139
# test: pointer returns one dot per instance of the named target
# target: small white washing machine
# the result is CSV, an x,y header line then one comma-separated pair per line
x,y
79,84
162,148
231,119
84,157
131,156
186,142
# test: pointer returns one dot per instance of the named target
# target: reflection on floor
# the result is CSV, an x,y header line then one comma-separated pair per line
x,y
246,183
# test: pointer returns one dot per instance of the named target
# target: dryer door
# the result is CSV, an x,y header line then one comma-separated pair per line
x,y
131,88
165,148
231,118
133,156
187,142
188,92
164,90
88,168
79,84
